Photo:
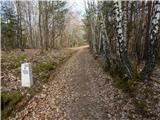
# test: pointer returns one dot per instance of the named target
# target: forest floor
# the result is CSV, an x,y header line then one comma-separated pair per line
x,y
44,65
81,90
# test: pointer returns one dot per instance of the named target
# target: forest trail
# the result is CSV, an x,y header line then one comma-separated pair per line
x,y
80,91
69,84
75,93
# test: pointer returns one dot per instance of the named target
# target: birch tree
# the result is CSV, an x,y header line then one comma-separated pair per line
x,y
121,43
152,52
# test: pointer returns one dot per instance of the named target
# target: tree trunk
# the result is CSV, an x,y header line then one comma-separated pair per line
x,y
30,25
46,35
149,4
152,52
122,49
125,8
19,31
39,23
129,26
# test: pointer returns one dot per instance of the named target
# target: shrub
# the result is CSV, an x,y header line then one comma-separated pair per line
x,y
8,101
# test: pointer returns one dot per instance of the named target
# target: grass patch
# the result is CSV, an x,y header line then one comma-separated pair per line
x,y
8,101
43,69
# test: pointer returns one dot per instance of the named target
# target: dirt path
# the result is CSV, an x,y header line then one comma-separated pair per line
x,y
78,92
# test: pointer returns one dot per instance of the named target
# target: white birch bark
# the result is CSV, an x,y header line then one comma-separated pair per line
x,y
122,50
152,52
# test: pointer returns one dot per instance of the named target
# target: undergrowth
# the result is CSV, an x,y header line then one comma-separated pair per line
x,y
12,61
133,87
43,69
42,66
8,102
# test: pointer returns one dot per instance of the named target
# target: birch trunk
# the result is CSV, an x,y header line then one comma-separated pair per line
x,y
104,38
152,52
121,43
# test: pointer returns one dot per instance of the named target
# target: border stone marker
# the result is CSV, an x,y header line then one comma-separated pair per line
x,y
26,75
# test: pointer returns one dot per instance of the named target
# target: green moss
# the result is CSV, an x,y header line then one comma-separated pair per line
x,y
8,101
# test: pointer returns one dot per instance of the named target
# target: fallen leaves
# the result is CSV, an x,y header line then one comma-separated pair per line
x,y
44,63
81,90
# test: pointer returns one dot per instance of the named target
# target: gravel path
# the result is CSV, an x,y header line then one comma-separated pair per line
x,y
80,91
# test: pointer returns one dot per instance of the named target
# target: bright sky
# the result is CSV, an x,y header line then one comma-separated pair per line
x,y
77,6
